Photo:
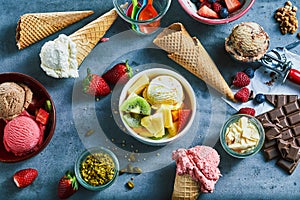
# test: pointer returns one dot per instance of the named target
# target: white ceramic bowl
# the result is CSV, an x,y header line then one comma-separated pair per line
x,y
189,96
191,9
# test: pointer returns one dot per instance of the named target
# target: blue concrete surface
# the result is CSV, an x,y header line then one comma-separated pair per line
x,y
251,178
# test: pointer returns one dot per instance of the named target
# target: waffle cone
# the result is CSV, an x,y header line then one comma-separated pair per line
x,y
88,36
185,188
33,27
189,53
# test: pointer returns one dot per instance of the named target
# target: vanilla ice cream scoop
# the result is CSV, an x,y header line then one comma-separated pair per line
x,y
58,58
164,90
14,98
248,42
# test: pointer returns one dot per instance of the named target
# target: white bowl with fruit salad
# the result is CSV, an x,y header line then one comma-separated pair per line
x,y
157,106
216,11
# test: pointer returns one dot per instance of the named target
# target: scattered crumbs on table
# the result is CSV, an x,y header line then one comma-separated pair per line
x,y
89,132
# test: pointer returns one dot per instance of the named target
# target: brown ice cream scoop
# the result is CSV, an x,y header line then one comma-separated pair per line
x,y
14,98
248,42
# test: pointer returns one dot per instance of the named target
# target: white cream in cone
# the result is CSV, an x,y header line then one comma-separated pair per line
x,y
88,36
33,27
189,53
185,188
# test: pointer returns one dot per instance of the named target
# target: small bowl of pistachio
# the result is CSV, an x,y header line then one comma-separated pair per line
x,y
96,168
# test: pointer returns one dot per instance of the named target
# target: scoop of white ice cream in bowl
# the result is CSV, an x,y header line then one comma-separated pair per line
x,y
27,117
157,106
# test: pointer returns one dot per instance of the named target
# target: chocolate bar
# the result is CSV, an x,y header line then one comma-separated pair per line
x,y
282,131
278,100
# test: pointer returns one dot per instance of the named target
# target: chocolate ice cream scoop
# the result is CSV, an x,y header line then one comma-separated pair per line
x,y
14,98
248,42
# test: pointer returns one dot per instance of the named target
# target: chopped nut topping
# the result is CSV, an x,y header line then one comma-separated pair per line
x,y
286,16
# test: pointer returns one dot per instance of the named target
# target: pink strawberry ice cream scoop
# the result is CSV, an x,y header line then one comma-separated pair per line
x,y
22,135
201,163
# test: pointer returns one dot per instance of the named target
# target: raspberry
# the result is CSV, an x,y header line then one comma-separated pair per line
x,y
242,95
241,79
217,7
247,111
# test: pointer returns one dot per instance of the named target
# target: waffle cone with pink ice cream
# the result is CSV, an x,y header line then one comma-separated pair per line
x,y
196,172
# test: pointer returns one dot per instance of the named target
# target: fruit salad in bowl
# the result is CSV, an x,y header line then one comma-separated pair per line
x,y
157,106
216,11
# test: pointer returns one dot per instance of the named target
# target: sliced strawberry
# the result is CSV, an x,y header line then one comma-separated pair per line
x,y
67,185
183,117
42,116
205,11
232,5
25,177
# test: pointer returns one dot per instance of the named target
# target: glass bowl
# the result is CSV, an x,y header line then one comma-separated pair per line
x,y
104,155
252,151
143,27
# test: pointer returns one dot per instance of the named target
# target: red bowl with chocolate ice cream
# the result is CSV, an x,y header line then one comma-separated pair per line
x,y
22,134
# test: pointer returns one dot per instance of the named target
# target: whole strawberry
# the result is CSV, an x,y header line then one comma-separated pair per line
x,y
241,80
242,95
120,72
67,185
25,177
95,85
247,111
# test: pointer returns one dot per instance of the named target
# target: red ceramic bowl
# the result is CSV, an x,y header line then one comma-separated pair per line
x,y
40,94
191,9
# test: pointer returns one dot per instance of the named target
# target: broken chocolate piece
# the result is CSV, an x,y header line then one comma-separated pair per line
x,y
282,126
279,100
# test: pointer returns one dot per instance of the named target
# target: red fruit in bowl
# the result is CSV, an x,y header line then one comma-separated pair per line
x,y
25,177
217,7
242,95
241,79
205,11
247,111
183,117
232,5
121,71
67,185
95,85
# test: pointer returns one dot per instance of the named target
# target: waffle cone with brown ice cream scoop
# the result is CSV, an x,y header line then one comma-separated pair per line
x,y
33,27
189,53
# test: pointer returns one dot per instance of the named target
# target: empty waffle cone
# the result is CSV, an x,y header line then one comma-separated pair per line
x,y
33,27
185,188
88,36
189,53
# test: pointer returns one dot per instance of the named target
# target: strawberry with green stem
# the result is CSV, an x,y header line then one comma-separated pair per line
x,y
120,72
95,85
67,185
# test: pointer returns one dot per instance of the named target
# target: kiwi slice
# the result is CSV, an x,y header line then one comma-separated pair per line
x,y
136,104
132,120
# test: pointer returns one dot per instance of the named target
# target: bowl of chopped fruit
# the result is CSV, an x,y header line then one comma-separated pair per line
x,y
157,106
214,12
